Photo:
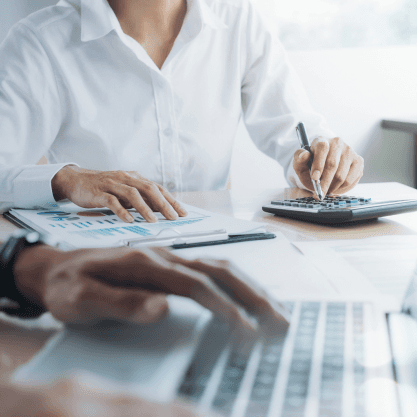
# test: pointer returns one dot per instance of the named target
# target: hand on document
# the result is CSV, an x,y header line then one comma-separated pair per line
x,y
116,190
88,285
73,398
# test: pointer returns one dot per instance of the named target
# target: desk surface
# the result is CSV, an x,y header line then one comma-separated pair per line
x,y
18,345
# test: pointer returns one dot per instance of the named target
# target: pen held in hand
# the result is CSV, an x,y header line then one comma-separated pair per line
x,y
305,144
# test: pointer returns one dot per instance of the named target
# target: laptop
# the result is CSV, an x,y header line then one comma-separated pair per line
x,y
337,358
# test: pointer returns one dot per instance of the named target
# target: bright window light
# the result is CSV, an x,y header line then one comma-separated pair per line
x,y
314,24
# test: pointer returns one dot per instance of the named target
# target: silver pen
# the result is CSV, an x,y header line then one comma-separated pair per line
x,y
305,144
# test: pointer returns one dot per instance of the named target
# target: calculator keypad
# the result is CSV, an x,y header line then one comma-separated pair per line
x,y
329,202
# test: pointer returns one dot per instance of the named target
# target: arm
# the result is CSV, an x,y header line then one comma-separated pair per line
x,y
274,102
31,116
30,119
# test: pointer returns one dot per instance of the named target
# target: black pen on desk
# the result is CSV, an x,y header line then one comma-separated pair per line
x,y
305,144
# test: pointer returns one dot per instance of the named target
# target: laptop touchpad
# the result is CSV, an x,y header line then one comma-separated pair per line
x,y
147,360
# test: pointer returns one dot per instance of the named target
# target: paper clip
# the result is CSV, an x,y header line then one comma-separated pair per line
x,y
170,237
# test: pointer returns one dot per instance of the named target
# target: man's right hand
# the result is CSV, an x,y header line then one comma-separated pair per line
x,y
88,285
116,190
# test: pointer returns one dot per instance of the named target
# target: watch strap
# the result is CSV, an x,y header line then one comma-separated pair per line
x,y
19,305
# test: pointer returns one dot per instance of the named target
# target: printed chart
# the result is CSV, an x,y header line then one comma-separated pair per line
x,y
80,227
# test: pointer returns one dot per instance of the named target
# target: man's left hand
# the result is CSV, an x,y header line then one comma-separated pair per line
x,y
338,167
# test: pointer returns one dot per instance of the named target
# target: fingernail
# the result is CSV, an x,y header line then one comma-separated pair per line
x,y
174,214
183,212
316,175
129,218
303,154
154,218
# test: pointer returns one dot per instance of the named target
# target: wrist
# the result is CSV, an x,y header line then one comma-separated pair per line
x,y
30,270
60,182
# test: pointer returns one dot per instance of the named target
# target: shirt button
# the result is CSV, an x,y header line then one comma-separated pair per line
x,y
168,132
171,186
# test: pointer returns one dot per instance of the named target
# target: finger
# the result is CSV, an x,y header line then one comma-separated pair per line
x,y
353,177
174,203
132,195
333,157
320,148
148,270
236,284
198,286
300,164
153,196
340,175
112,202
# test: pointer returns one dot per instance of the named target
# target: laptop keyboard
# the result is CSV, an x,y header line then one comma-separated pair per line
x,y
296,394
315,321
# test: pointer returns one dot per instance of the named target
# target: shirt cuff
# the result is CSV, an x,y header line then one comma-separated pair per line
x,y
32,187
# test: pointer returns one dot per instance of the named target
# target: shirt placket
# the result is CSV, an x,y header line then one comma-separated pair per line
x,y
168,132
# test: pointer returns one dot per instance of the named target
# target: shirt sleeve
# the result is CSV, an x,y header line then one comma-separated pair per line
x,y
273,98
30,119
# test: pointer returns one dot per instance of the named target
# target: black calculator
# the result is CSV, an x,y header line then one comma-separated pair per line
x,y
338,209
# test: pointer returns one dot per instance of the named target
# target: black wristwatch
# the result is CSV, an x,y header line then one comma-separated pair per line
x,y
12,301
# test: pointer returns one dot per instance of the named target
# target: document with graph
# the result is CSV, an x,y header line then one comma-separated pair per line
x,y
76,227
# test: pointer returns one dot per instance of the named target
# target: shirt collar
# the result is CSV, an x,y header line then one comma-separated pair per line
x,y
98,18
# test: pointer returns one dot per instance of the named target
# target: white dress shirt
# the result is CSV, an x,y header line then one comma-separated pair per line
x,y
75,88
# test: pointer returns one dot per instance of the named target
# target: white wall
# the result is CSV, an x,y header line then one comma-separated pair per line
x,y
354,89
12,11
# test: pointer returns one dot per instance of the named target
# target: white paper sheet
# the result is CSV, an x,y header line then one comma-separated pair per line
x,y
387,262
282,268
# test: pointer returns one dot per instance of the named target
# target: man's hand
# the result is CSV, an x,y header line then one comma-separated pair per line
x,y
338,167
87,285
73,398
117,190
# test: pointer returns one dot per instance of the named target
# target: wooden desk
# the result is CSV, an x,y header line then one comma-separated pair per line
x,y
18,345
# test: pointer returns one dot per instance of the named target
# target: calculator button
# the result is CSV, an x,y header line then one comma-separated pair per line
x,y
295,204
287,203
278,203
302,205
